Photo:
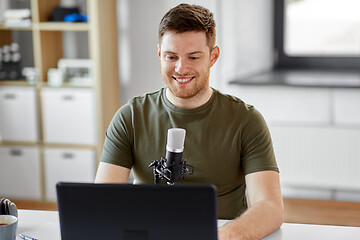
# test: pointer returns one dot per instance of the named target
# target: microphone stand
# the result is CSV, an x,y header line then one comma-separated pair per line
x,y
161,171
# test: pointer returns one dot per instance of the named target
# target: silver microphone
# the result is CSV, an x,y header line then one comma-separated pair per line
x,y
172,168
174,151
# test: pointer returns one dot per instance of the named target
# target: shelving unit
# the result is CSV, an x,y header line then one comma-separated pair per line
x,y
101,99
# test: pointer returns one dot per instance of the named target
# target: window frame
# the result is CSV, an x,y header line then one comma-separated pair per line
x,y
282,60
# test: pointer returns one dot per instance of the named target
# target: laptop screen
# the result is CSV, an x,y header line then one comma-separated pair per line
x,y
137,212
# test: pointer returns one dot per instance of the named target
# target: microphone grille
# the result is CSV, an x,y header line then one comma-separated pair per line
x,y
175,139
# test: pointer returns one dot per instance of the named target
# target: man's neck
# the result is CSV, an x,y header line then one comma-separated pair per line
x,y
190,103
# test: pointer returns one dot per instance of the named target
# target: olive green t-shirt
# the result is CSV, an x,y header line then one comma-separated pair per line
x,y
225,140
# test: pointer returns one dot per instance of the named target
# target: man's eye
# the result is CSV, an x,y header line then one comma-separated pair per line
x,y
170,57
194,58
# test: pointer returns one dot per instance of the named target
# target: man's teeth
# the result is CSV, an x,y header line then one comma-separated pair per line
x,y
182,80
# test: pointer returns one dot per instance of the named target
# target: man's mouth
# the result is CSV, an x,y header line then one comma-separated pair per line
x,y
183,80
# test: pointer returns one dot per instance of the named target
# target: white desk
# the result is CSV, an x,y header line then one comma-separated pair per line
x,y
44,225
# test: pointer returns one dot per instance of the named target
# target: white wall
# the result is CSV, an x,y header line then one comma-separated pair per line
x,y
244,34
245,37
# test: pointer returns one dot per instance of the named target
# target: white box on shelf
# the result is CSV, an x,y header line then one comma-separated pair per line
x,y
76,71
69,115
67,165
18,113
19,173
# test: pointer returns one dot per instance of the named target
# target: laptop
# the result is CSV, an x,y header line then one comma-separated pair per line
x,y
137,212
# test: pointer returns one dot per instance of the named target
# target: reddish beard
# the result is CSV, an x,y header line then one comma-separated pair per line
x,y
194,89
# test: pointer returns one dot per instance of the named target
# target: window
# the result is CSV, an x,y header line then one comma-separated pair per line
x,y
317,34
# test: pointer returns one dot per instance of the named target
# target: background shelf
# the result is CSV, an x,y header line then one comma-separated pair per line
x,y
60,26
45,43
3,27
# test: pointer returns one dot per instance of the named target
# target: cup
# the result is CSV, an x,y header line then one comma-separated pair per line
x,y
8,226
55,77
30,74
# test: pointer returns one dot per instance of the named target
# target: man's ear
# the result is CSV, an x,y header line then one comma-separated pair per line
x,y
159,51
215,52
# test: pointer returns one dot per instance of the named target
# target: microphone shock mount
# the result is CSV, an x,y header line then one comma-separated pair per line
x,y
162,170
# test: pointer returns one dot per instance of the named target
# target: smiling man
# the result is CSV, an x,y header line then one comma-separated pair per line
x,y
186,60
185,67
227,143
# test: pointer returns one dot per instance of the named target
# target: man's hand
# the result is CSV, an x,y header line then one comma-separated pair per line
x,y
265,213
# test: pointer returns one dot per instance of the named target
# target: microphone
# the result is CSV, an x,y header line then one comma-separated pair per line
x,y
174,151
172,168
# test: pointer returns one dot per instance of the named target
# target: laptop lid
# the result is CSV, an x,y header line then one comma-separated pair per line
x,y
137,212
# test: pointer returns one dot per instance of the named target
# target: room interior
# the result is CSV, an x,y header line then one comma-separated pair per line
x,y
309,99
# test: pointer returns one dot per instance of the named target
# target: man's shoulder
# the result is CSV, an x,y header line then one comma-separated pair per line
x,y
233,101
147,97
139,103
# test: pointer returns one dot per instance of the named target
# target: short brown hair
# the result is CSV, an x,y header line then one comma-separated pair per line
x,y
185,18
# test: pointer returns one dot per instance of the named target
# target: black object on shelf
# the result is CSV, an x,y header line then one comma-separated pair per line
x,y
58,13
10,62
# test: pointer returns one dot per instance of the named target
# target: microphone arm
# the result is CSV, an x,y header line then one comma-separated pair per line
x,y
162,171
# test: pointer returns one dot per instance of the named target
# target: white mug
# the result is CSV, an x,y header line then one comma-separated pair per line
x,y
8,227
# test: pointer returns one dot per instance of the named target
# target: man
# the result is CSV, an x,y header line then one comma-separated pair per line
x,y
227,141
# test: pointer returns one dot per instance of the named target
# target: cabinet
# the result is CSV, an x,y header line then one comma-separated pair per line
x,y
67,116
67,165
323,157
19,172
315,133
346,106
19,114
292,105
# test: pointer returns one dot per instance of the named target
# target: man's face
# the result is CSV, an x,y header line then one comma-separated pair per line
x,y
185,63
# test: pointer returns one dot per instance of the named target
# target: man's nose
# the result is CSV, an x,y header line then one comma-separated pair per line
x,y
181,66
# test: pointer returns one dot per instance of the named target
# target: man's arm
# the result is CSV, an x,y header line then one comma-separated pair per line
x,y
111,173
265,213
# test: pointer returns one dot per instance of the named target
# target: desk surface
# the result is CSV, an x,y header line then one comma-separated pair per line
x,y
44,225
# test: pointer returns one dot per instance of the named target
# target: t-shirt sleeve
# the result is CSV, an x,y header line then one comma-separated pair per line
x,y
118,138
257,149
